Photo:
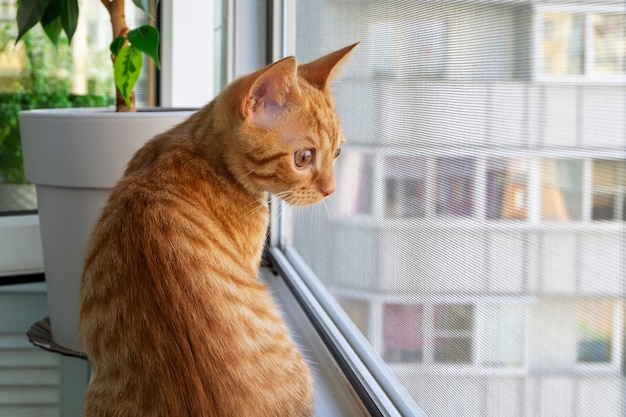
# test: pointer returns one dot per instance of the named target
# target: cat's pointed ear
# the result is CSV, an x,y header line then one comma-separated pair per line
x,y
321,71
270,92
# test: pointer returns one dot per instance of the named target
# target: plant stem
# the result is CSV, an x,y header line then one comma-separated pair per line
x,y
118,23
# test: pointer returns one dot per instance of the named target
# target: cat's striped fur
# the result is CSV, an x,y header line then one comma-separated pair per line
x,y
173,317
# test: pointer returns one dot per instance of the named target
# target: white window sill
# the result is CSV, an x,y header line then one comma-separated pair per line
x,y
334,394
351,377
20,246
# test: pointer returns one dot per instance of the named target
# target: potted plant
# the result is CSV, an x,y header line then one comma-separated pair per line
x,y
75,156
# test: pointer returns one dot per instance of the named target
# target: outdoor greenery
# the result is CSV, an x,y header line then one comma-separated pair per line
x,y
40,87
11,165
127,48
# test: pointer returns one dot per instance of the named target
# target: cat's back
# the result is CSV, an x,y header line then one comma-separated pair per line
x,y
173,316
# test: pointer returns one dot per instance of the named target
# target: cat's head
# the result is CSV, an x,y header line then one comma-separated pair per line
x,y
286,135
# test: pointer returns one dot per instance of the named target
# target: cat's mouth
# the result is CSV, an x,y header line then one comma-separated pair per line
x,y
303,197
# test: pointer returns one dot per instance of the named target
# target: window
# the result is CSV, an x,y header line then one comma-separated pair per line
x,y
476,235
483,187
35,74
596,324
507,189
403,328
563,43
582,42
609,190
609,46
405,187
481,335
452,328
455,187
561,189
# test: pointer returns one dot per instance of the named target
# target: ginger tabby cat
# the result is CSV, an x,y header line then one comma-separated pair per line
x,y
173,317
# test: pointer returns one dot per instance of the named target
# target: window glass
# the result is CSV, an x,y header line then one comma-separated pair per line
x,y
561,191
609,43
405,187
507,189
453,329
588,44
595,331
455,187
477,209
563,43
609,190
403,333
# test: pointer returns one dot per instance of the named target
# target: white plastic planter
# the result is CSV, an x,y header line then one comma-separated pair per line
x,y
75,157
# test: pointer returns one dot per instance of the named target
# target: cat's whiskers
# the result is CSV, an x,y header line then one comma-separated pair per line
x,y
254,192
259,206
285,195
325,205
249,172
289,198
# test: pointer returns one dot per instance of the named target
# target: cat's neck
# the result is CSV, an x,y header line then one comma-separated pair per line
x,y
216,186
188,161
210,137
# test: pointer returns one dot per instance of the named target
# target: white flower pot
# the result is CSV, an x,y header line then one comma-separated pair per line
x,y
75,157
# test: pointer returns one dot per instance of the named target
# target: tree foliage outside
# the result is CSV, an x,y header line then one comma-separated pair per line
x,y
44,83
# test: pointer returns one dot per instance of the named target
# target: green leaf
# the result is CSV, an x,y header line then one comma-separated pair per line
x,y
143,5
53,30
69,17
29,13
117,45
126,70
146,39
52,12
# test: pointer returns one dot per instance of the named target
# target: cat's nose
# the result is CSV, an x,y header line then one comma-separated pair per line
x,y
327,190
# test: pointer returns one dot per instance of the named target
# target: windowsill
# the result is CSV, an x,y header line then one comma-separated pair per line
x,y
334,394
20,246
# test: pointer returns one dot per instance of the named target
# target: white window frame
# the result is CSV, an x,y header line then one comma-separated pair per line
x,y
588,77
187,78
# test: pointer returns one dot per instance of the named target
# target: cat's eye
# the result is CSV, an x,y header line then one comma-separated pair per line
x,y
337,152
303,157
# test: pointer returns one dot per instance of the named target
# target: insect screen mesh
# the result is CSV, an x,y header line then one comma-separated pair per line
x,y
477,233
